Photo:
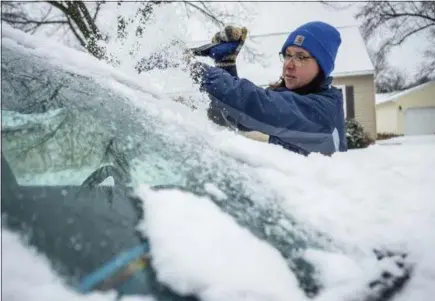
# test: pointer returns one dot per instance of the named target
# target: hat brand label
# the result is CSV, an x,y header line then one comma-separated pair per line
x,y
299,40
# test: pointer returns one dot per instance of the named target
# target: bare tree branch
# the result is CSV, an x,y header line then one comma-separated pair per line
x,y
84,10
206,13
407,35
396,22
97,10
59,6
34,21
76,34
76,16
81,20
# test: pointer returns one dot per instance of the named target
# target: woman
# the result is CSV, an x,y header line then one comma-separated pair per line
x,y
301,112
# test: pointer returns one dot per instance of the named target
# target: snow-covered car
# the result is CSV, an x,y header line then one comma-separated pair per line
x,y
118,193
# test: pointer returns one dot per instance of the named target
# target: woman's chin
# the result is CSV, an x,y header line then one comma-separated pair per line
x,y
291,83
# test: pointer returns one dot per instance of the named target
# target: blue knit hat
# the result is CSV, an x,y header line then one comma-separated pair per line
x,y
320,39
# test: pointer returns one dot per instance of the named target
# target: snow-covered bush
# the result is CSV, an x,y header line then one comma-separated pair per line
x,y
355,135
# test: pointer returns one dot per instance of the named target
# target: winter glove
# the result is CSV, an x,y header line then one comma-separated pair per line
x,y
225,46
231,41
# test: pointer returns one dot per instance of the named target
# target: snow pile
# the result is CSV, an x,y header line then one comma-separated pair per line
x,y
380,197
21,264
71,60
377,197
197,249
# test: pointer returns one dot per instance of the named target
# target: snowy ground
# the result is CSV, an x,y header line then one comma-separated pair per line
x,y
380,196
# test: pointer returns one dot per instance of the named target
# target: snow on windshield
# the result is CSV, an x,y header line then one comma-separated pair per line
x,y
12,120
23,265
380,196
197,249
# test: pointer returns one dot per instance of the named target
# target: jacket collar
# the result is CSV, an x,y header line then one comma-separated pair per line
x,y
326,84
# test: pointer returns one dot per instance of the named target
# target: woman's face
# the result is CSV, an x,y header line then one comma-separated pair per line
x,y
299,67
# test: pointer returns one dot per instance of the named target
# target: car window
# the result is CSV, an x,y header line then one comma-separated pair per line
x,y
54,120
59,127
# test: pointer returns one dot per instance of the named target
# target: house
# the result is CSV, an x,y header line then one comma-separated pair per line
x,y
409,112
353,73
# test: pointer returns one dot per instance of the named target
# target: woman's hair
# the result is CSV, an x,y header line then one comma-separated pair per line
x,y
278,84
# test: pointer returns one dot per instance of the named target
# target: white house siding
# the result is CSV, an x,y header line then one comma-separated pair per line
x,y
386,118
364,100
398,103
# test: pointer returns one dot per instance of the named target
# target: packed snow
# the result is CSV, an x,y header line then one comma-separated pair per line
x,y
198,249
28,277
373,198
382,196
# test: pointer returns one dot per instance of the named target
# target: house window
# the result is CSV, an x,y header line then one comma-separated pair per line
x,y
342,89
348,101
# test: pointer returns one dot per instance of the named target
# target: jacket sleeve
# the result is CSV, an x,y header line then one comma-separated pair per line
x,y
308,113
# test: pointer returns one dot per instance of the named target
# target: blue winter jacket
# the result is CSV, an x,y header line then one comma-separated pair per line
x,y
300,123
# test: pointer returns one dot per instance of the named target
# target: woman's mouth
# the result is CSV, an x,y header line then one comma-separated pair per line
x,y
289,77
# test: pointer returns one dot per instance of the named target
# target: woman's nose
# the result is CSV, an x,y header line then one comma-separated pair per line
x,y
290,64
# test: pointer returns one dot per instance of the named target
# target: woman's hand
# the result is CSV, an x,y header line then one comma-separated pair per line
x,y
229,43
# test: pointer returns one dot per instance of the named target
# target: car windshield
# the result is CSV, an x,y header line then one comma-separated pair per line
x,y
54,121
74,148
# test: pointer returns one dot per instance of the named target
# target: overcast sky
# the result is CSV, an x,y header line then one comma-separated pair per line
x,y
270,17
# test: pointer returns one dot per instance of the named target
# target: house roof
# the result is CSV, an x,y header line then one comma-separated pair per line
x,y
352,57
394,96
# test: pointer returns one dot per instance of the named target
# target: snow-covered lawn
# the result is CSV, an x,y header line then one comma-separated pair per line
x,y
409,140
